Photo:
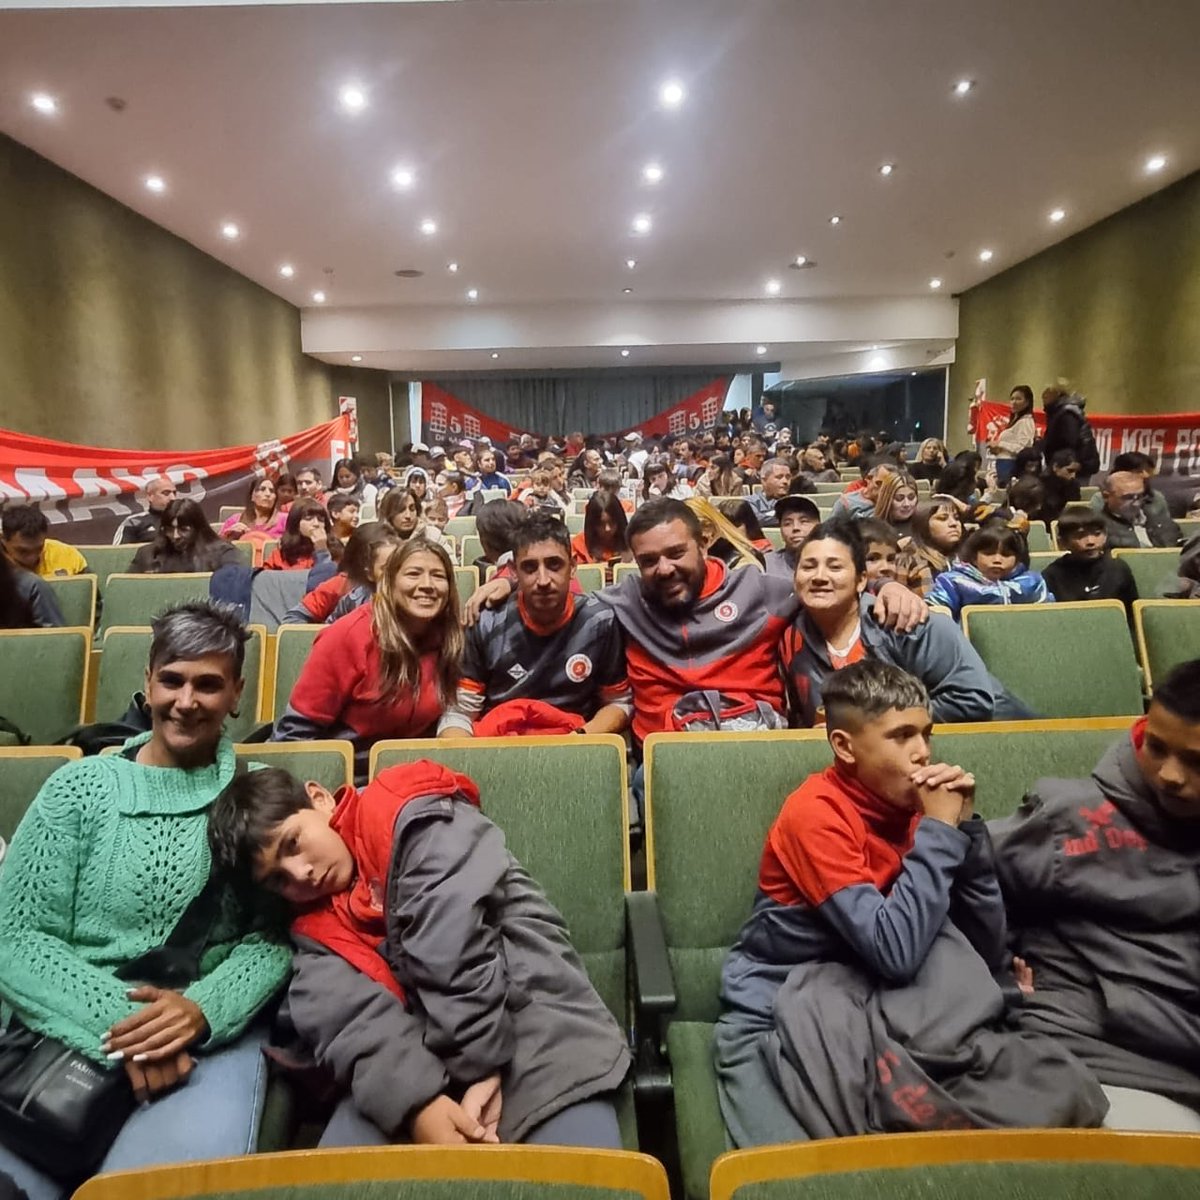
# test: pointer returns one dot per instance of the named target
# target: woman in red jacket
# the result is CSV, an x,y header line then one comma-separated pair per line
x,y
388,669
307,536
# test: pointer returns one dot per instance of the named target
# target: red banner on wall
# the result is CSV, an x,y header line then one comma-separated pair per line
x,y
1171,439
445,419
87,491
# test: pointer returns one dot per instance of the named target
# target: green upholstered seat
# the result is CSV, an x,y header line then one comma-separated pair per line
x,y
292,644
1151,569
466,579
1189,527
574,523
775,537
460,527
590,576
104,561
123,672
76,596
138,599
1062,660
1039,560
472,548
834,489
330,763
1168,633
1038,537
23,770
43,680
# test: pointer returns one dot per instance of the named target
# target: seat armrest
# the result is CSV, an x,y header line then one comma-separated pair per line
x,y
652,977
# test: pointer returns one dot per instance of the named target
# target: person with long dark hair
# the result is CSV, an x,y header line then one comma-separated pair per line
x,y
365,556
937,533
185,542
603,536
1018,434
261,520
307,536
348,479
26,600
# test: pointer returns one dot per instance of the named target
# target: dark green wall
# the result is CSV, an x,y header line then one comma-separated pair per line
x,y
1115,310
114,332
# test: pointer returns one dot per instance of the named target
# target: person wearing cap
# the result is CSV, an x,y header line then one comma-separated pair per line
x,y
464,457
635,453
437,457
797,516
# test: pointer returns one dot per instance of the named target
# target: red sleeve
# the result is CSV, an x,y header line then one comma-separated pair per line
x,y
330,674
323,599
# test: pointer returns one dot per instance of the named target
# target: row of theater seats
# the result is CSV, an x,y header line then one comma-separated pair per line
x,y
1063,660
654,955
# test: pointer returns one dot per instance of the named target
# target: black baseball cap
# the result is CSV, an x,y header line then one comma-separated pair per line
x,y
797,504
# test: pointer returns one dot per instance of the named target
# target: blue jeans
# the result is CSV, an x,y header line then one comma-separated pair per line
x,y
214,1115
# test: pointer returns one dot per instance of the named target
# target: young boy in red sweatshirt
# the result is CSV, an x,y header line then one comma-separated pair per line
x,y
431,973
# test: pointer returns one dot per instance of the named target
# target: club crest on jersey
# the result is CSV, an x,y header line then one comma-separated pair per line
x,y
726,612
579,667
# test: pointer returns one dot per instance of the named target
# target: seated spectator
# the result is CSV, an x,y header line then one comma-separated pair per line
x,y
878,928
488,476
309,485
26,600
496,525
896,502
993,568
776,477
603,536
416,480
659,480
545,645
307,539
143,526
1060,484
1027,498
464,462
835,628
23,529
261,520
400,509
462,1013
610,480
1102,881
286,491
344,511
797,517
1135,516
101,869
721,538
720,479
541,495
815,467
585,470
937,535
861,503
1087,571
388,669
185,542
348,481
1186,585
452,489
881,549
365,556
931,460
743,517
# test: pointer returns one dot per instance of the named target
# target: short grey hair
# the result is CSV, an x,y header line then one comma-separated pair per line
x,y
772,463
868,689
196,630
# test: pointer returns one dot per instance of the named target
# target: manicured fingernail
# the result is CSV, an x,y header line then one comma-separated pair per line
x,y
140,1057
116,1056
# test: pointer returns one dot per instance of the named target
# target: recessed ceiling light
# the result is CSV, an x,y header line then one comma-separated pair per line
x,y
773,287
624,353
671,94
472,293
352,98
318,297
627,291
429,227
935,283
963,86
631,263
887,169
642,223
652,173
155,183
356,358
1155,163
878,363
495,354
1058,214
985,256
760,349
403,177
287,270
230,231
835,219
44,103
912,372
452,268
800,261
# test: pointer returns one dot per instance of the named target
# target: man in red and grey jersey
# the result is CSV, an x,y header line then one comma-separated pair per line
x,y
544,644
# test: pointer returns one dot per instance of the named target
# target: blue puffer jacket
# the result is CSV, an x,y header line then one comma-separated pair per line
x,y
963,585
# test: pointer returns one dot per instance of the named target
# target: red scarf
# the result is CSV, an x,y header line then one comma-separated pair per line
x,y
353,923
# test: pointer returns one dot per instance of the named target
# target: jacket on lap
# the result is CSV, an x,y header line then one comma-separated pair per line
x,y
1103,889
963,584
444,964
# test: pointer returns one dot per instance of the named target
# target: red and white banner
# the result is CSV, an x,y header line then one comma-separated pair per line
x,y
88,491
445,419
1171,439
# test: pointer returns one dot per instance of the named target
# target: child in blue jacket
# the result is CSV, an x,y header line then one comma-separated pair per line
x,y
992,568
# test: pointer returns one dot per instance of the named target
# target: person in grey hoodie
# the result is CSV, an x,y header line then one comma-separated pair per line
x,y
1101,878
432,976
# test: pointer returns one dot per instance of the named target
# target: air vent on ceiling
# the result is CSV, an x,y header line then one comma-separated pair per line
x,y
409,273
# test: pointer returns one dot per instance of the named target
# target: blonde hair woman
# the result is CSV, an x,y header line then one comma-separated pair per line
x,y
721,538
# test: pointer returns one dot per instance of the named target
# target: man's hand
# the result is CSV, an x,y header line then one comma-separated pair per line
x,y
443,1123
945,792
150,1079
482,1102
898,608
168,1024
488,595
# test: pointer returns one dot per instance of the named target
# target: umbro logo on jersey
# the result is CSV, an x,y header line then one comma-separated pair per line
x,y
517,672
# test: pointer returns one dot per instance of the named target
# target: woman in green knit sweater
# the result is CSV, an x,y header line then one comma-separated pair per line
x,y
99,872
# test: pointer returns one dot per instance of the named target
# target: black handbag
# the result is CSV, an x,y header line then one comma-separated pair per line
x,y
61,1111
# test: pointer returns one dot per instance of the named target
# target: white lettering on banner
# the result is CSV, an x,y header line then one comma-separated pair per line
x,y
270,458
37,485
1103,446
1187,450
437,420
471,426
677,422
338,450
99,495
1144,441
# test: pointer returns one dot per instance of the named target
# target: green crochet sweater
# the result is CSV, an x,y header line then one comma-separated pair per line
x,y
99,872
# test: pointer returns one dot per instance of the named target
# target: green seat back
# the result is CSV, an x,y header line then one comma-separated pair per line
x,y
123,672
1039,560
775,537
23,770
590,576
1189,527
459,527
825,502
466,579
43,679
706,837
76,596
1168,634
827,489
1007,758
1038,537
560,802
583,494
1151,569
330,763
246,550
486,495
1048,655
228,510
472,548
574,523
292,644
138,599
104,561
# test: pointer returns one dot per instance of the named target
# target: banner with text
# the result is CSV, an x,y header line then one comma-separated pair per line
x,y
88,491
445,419
1171,439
